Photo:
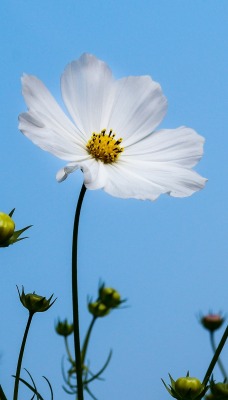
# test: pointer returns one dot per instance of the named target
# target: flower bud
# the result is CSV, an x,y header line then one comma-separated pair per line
x,y
63,328
7,227
98,309
219,390
35,303
8,235
109,297
186,388
212,322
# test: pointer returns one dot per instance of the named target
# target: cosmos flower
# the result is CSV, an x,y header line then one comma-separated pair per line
x,y
111,134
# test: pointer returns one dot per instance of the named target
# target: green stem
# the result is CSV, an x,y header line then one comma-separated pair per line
x,y
20,357
75,296
86,341
216,356
222,369
68,350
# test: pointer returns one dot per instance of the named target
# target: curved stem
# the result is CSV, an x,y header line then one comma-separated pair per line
x,y
222,369
216,356
86,341
20,357
75,295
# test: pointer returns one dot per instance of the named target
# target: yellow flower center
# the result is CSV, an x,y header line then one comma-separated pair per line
x,y
104,147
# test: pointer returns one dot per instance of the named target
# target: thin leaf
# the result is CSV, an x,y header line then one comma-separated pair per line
x,y
96,376
32,381
67,391
50,387
90,393
39,397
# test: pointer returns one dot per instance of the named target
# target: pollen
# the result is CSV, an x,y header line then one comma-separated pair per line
x,y
104,147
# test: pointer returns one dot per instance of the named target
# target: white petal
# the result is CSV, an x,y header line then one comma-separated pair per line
x,y
182,146
85,86
94,172
63,173
46,124
138,107
95,176
146,180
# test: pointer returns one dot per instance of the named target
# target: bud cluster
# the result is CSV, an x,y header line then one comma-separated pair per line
x,y
108,299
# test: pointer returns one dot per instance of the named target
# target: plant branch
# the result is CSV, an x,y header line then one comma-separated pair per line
x,y
216,356
220,364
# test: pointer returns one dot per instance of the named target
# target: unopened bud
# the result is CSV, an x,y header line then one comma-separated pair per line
x,y
98,309
35,303
220,390
7,227
109,297
212,322
186,388
63,328
8,235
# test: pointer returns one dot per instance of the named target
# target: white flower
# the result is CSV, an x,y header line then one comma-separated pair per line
x,y
135,162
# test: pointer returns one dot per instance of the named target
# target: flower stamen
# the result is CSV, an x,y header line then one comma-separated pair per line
x,y
104,147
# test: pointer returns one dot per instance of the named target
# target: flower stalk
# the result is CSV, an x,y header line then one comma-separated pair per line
x,y
20,357
68,350
220,364
86,341
216,356
75,295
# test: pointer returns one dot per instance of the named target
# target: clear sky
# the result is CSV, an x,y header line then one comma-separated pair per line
x,y
169,257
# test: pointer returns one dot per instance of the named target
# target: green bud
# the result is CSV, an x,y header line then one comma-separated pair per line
x,y
35,303
186,388
8,235
219,390
109,297
212,322
7,227
63,328
98,309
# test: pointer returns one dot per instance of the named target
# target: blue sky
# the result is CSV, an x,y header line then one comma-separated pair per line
x,y
168,258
